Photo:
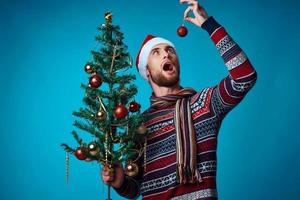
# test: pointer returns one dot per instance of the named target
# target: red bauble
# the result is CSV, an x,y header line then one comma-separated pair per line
x,y
134,106
182,31
120,111
79,153
95,81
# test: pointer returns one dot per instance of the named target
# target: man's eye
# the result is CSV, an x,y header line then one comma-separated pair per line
x,y
171,50
155,52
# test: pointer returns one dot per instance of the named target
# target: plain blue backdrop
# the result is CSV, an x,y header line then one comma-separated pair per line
x,y
45,44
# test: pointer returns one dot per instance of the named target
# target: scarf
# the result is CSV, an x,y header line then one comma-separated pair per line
x,y
186,149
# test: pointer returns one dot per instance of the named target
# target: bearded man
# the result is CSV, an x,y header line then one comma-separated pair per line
x,y
183,124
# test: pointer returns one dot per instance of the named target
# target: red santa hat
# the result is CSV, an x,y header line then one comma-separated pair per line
x,y
143,54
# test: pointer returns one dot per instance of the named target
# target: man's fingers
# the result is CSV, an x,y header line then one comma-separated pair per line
x,y
186,12
187,1
190,2
107,179
107,173
190,19
107,176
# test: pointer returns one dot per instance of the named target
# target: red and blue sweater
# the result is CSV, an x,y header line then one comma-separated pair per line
x,y
209,106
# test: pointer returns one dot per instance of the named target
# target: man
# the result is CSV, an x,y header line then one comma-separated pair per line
x,y
183,124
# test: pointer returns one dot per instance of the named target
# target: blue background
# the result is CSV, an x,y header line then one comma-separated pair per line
x,y
45,44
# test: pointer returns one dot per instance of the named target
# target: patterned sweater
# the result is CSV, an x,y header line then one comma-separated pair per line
x,y
209,106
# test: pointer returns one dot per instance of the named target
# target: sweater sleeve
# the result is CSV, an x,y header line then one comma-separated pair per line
x,y
242,76
130,188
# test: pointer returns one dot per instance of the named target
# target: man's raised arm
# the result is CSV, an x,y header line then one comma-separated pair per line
x,y
242,76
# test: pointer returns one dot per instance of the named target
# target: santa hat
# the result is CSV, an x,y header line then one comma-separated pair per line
x,y
143,54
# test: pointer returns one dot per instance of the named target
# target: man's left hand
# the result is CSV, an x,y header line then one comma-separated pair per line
x,y
198,11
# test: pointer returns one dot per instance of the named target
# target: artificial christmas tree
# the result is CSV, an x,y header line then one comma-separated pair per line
x,y
117,134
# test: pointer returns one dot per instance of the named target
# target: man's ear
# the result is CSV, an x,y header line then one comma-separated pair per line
x,y
148,75
147,72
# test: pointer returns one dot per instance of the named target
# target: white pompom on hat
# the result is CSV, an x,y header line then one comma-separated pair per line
x,y
149,42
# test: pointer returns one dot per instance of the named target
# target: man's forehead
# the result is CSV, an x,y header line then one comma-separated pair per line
x,y
161,45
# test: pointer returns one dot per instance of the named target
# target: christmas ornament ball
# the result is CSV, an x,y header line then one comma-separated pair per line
x,y
182,31
131,169
101,115
142,129
134,106
88,69
79,153
120,111
95,81
93,148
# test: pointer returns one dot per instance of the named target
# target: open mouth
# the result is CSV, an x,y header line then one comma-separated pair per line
x,y
168,67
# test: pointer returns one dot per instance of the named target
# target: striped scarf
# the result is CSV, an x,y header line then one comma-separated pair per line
x,y
186,149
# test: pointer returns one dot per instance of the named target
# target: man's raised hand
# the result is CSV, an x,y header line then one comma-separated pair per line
x,y
198,11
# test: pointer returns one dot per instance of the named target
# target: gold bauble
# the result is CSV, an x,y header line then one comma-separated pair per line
x,y
142,129
88,69
93,148
131,169
101,115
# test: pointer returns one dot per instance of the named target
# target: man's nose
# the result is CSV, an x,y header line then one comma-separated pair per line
x,y
165,54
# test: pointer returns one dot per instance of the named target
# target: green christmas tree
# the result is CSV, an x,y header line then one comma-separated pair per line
x,y
111,115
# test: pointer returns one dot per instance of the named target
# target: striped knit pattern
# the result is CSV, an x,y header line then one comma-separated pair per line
x,y
208,108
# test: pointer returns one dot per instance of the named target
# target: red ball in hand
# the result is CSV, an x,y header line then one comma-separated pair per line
x,y
134,106
182,31
120,112
79,153
95,81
